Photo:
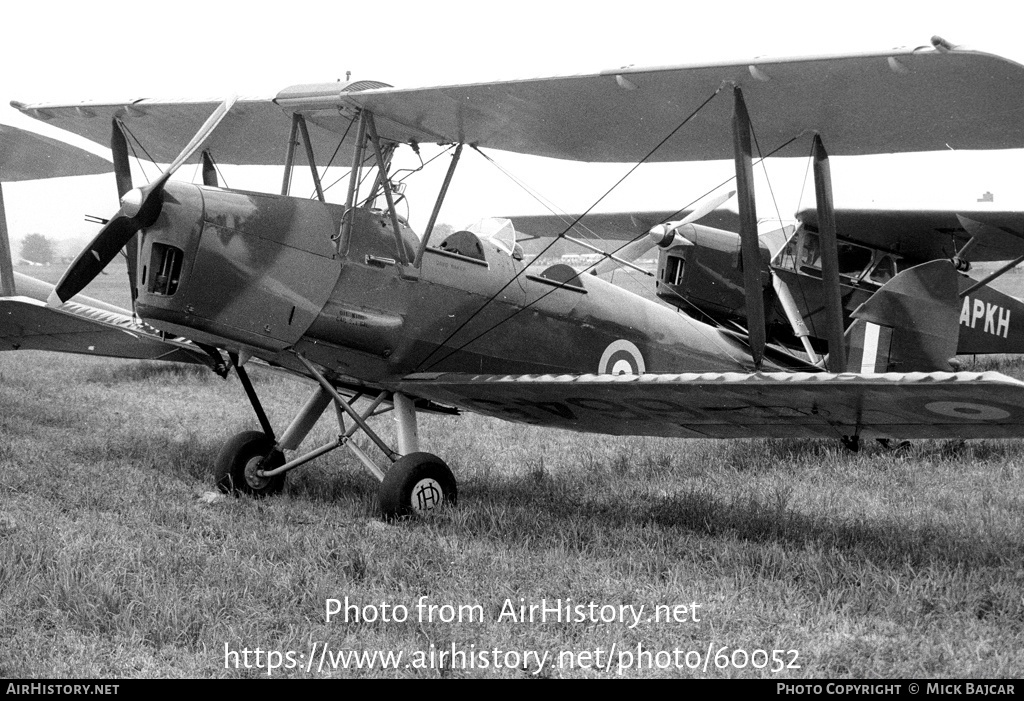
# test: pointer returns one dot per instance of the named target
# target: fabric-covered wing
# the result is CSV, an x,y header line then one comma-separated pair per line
x,y
898,101
732,405
28,324
254,132
928,234
25,155
611,226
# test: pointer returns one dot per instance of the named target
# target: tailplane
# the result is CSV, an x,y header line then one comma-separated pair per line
x,y
910,325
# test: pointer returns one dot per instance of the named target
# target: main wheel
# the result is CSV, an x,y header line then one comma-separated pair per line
x,y
416,482
235,469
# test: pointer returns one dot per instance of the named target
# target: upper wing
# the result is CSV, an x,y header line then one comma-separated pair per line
x,y
896,101
928,234
254,132
25,155
614,225
733,405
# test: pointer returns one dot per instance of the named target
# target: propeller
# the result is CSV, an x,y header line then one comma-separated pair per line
x,y
140,208
661,235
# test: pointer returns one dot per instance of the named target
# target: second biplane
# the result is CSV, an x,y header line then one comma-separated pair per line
x,y
382,319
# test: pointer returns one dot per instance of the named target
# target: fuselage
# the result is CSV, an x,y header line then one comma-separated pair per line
x,y
268,275
703,272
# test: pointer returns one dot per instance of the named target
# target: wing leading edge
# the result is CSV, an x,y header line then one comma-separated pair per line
x,y
886,102
889,102
733,405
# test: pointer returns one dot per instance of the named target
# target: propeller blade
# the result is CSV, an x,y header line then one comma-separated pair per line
x,y
659,234
139,208
201,136
123,176
142,207
107,244
629,253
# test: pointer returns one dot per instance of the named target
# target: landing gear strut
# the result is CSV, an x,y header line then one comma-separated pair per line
x,y
254,462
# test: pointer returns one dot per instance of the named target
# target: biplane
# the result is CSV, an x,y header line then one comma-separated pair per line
x,y
383,319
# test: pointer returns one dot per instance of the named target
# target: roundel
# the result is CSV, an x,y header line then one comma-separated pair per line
x,y
967,410
621,358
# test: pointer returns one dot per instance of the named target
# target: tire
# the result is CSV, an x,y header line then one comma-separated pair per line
x,y
416,482
241,455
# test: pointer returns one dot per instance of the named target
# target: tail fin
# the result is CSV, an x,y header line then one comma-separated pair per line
x,y
910,325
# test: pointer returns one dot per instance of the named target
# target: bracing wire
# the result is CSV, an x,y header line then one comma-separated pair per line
x,y
764,167
554,289
807,170
135,153
552,243
331,161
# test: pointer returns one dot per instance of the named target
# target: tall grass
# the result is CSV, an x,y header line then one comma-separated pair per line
x,y
115,562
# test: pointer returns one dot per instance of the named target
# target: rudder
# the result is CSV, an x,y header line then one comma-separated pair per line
x,y
911,324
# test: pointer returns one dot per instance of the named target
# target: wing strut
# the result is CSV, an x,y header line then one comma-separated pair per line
x,y
210,178
989,278
978,232
309,156
6,269
353,181
382,168
792,312
749,247
437,206
289,159
836,361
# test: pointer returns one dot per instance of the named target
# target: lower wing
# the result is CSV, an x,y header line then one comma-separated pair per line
x,y
734,405
91,329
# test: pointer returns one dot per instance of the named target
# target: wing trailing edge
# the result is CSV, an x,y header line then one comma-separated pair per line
x,y
735,405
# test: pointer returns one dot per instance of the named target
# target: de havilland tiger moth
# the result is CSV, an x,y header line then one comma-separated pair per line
x,y
381,318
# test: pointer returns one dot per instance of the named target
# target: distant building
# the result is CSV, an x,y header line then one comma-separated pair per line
x,y
987,197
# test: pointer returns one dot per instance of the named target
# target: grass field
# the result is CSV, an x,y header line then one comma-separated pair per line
x,y
114,561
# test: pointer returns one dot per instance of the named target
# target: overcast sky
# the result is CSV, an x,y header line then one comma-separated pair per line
x,y
70,51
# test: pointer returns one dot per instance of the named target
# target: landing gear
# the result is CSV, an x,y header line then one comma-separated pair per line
x,y
897,447
253,462
242,459
415,483
851,443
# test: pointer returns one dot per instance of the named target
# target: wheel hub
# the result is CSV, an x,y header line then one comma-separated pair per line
x,y
251,477
427,495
